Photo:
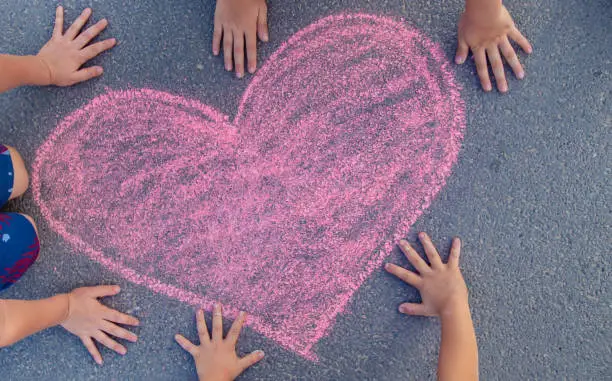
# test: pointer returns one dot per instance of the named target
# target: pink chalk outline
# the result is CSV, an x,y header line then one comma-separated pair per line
x,y
346,133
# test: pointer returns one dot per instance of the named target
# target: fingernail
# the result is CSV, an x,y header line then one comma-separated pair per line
x,y
228,67
265,37
403,309
252,69
99,361
117,288
260,353
459,60
239,74
487,88
99,72
521,75
215,52
123,351
133,338
217,306
387,266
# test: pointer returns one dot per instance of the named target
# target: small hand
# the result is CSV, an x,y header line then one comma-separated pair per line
x,y
216,358
65,53
89,319
441,285
237,21
486,36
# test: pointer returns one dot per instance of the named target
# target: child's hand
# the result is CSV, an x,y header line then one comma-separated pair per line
x,y
216,358
65,53
441,285
486,36
89,319
237,21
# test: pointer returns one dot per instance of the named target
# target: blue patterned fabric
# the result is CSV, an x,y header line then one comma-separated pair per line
x,y
19,246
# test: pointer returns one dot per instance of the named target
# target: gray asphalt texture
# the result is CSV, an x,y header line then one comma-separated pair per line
x,y
530,197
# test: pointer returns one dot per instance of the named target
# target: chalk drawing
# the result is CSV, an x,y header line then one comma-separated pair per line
x,y
341,140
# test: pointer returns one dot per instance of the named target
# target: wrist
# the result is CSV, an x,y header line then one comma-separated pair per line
x,y
482,11
64,300
41,73
212,376
456,309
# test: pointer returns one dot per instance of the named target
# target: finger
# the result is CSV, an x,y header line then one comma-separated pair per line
x,y
455,251
462,52
498,68
217,329
77,25
216,43
110,343
234,332
95,49
405,275
251,48
115,330
119,317
414,258
59,22
517,36
202,328
186,344
430,251
91,348
90,33
481,67
262,23
87,74
418,309
101,291
250,359
239,54
511,58
227,48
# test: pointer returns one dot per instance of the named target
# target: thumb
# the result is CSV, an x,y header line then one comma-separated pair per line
x,y
417,309
462,52
262,24
250,360
101,291
86,74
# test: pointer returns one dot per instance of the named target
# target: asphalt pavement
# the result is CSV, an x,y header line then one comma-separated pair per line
x,y
529,196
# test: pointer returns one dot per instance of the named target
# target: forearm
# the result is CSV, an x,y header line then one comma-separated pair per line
x,y
22,318
483,8
22,70
458,359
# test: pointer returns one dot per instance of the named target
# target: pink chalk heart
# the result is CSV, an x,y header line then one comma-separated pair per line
x,y
341,141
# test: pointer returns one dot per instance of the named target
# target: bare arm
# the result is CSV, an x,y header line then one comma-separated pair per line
x,y
22,318
79,312
458,358
444,295
18,71
488,8
59,61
